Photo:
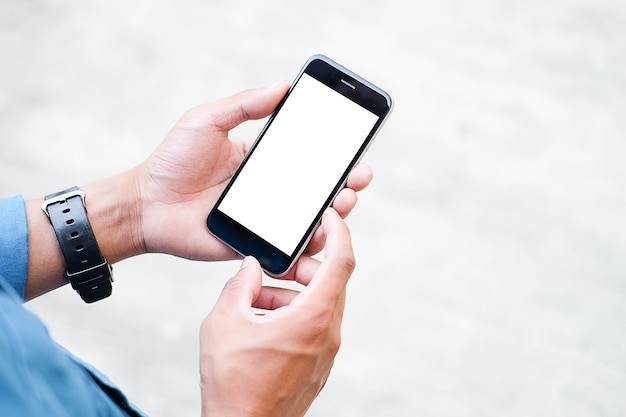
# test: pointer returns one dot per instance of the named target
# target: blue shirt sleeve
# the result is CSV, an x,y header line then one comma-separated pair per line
x,y
14,243
37,376
40,378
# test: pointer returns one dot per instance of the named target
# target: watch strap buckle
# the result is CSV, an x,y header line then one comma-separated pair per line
x,y
61,197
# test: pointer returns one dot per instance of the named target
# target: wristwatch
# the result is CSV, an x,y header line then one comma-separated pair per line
x,y
87,270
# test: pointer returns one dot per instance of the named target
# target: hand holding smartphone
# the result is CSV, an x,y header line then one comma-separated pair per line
x,y
298,164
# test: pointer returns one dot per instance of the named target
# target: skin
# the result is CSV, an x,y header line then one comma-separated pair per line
x,y
282,358
179,182
276,364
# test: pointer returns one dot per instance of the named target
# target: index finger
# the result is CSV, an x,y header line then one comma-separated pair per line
x,y
332,275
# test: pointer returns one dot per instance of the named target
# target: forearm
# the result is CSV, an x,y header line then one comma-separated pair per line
x,y
114,212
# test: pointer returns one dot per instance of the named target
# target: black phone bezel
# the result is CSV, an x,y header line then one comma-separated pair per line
x,y
244,241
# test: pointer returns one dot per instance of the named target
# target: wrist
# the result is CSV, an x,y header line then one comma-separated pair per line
x,y
114,211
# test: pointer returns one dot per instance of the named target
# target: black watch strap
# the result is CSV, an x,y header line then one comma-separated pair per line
x,y
87,270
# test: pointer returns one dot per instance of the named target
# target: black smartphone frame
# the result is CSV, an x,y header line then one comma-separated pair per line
x,y
343,81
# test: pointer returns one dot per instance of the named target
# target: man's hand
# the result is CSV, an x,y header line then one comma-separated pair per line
x,y
276,364
162,204
183,178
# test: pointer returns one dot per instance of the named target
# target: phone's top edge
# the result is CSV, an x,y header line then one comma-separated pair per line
x,y
352,74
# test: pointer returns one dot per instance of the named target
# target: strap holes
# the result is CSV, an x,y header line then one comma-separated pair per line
x,y
66,211
79,248
70,221
74,235
83,261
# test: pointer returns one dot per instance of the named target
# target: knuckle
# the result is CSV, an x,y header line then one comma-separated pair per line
x,y
347,262
324,333
335,343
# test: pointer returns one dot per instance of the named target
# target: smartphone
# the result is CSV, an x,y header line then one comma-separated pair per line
x,y
298,164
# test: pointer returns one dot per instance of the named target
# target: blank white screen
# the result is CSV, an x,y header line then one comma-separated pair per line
x,y
297,163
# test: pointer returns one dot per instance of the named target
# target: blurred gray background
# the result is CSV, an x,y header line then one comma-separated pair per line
x,y
491,246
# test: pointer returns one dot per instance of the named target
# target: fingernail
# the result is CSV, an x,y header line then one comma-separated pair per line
x,y
277,84
245,263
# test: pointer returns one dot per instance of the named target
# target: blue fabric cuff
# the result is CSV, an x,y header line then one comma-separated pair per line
x,y
14,243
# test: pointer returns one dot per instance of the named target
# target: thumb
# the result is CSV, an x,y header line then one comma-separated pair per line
x,y
243,288
247,105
